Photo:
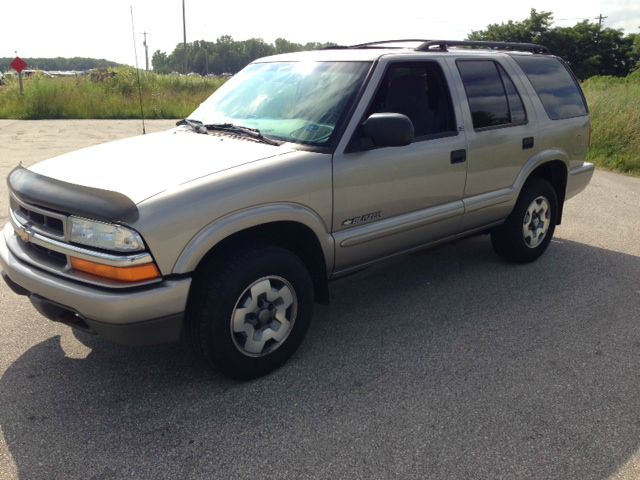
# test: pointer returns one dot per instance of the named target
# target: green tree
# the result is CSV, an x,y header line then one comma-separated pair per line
x,y
592,50
160,62
285,46
225,55
589,48
530,30
635,51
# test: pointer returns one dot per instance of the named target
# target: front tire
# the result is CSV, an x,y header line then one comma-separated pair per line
x,y
527,231
249,313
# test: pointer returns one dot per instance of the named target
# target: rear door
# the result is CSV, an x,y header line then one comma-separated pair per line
x,y
500,126
392,199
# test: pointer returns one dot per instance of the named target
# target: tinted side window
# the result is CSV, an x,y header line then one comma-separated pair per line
x,y
485,92
556,87
516,108
419,91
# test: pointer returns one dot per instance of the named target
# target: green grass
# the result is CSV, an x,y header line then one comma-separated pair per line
x,y
106,95
615,118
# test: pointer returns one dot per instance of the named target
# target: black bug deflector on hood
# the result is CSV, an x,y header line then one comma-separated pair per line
x,y
53,194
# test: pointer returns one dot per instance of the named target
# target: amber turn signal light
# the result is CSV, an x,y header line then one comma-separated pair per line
x,y
138,273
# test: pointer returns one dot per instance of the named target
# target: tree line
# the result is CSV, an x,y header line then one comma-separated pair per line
x,y
590,48
59,63
225,55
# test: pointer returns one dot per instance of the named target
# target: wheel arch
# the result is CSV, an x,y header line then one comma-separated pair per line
x,y
290,226
551,165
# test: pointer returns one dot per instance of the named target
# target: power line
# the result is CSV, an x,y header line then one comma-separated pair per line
x,y
567,19
600,19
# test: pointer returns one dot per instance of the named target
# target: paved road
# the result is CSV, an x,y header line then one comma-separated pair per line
x,y
445,364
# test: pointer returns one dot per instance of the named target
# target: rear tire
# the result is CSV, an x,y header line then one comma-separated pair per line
x,y
527,231
248,313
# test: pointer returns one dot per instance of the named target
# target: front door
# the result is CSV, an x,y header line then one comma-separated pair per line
x,y
388,200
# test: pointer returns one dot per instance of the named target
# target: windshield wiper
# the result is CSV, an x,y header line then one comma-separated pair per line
x,y
195,125
240,130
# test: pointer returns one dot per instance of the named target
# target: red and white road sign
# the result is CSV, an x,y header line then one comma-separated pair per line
x,y
18,64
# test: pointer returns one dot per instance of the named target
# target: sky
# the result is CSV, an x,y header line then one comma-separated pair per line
x,y
87,28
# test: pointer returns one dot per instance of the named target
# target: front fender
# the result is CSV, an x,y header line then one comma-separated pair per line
x,y
235,222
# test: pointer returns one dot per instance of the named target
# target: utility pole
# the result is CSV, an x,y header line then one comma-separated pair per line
x,y
600,19
206,55
184,32
146,51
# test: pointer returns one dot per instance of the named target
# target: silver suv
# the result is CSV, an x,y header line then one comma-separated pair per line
x,y
301,168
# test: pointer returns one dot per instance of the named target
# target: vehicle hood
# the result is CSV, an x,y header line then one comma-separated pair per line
x,y
143,166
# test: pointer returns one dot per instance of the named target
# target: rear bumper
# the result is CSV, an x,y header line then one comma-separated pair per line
x,y
578,179
137,316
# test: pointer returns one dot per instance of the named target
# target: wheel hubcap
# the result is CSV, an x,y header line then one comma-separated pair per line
x,y
537,220
263,316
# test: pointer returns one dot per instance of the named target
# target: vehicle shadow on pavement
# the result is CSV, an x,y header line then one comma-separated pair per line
x,y
448,364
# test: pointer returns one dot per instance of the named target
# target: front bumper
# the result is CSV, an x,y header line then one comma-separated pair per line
x,y
137,316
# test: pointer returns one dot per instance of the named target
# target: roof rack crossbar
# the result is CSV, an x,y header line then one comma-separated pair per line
x,y
382,42
442,45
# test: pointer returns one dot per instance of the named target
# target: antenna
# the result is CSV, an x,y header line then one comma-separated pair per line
x,y
135,51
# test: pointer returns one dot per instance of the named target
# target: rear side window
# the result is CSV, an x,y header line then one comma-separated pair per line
x,y
493,98
557,88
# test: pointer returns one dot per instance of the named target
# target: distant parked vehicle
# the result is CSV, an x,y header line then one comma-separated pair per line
x,y
30,72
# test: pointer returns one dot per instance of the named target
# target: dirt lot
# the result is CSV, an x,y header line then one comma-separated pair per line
x,y
445,364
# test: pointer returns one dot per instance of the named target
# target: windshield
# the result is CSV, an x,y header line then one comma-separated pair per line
x,y
299,102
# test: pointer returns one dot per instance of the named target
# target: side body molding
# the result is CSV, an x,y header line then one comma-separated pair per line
x,y
216,231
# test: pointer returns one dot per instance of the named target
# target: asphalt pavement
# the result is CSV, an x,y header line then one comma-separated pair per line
x,y
446,364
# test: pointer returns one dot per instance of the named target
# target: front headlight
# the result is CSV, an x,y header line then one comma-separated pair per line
x,y
107,236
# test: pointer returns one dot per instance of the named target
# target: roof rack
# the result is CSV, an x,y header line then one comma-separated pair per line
x,y
443,45
382,42
375,44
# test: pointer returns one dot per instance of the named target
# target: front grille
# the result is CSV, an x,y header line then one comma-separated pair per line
x,y
56,258
48,223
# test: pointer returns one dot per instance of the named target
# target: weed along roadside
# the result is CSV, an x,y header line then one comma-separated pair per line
x,y
615,115
108,94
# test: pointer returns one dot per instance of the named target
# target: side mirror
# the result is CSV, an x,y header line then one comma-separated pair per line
x,y
389,129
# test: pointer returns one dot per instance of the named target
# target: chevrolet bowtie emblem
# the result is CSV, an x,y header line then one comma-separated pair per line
x,y
23,233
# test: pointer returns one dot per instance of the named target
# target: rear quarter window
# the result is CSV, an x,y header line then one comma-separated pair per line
x,y
493,98
556,87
